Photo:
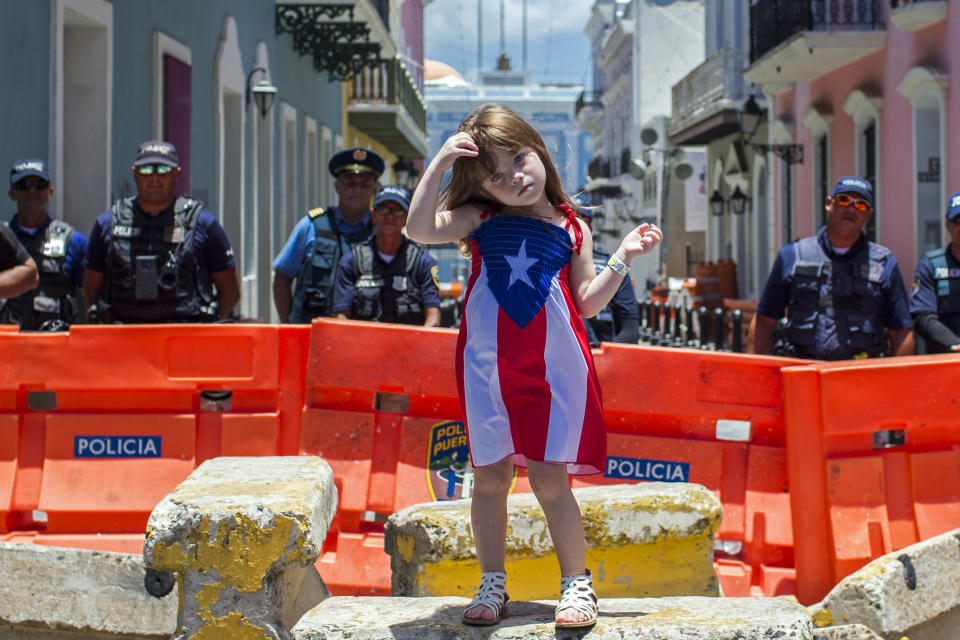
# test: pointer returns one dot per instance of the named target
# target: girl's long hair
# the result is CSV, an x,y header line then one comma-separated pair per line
x,y
492,127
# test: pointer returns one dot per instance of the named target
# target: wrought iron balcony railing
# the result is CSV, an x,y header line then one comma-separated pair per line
x,y
389,83
718,78
775,21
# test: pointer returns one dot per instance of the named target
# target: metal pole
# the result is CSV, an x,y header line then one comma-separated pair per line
x,y
718,329
736,336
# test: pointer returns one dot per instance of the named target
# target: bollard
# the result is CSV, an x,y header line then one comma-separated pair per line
x,y
642,307
736,335
677,339
688,328
656,333
718,329
702,316
242,535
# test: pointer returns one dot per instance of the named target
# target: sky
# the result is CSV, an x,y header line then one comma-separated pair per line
x,y
557,48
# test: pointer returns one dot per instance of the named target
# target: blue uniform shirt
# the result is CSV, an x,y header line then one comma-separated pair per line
x,y
623,306
776,292
300,243
924,294
75,250
210,243
344,289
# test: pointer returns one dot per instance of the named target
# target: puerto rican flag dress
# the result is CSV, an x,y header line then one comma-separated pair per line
x,y
527,383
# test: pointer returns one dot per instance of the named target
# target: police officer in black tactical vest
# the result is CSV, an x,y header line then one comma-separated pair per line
x,y
388,278
935,302
843,295
156,257
323,237
56,248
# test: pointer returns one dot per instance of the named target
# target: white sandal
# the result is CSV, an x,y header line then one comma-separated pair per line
x,y
492,594
576,594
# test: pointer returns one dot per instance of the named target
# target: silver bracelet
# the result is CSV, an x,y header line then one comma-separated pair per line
x,y
618,265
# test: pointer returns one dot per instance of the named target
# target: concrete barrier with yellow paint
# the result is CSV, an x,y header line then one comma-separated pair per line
x,y
242,534
643,540
913,592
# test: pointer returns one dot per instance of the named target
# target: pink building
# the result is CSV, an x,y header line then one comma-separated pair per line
x,y
864,87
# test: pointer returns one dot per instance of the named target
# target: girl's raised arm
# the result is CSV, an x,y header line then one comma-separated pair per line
x,y
426,224
592,291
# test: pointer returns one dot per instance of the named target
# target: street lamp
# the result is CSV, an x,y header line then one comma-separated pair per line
x,y
738,201
716,203
405,173
749,123
262,93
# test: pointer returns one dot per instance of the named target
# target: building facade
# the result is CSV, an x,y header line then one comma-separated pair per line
x,y
94,78
640,48
863,88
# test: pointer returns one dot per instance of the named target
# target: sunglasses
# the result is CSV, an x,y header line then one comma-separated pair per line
x,y
150,169
844,200
39,185
393,211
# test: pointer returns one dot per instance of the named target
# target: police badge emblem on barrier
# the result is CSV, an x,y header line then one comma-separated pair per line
x,y
449,473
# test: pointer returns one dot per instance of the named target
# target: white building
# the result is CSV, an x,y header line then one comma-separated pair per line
x,y
640,49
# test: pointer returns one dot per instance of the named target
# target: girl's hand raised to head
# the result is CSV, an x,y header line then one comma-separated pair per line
x,y
458,145
641,241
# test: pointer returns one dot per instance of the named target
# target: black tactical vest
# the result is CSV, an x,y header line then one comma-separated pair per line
x,y
313,292
55,297
837,297
152,273
947,278
387,292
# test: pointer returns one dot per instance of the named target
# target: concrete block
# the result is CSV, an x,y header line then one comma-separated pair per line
x,y
242,534
845,632
47,591
686,618
643,540
903,593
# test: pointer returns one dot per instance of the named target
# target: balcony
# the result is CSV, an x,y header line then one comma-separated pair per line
x,y
793,41
913,15
385,104
706,102
589,112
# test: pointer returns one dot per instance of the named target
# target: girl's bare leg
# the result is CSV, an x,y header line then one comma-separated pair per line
x,y
488,514
551,485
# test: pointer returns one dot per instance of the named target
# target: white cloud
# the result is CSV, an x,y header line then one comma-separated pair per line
x,y
557,49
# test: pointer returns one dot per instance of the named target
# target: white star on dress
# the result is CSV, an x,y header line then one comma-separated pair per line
x,y
519,264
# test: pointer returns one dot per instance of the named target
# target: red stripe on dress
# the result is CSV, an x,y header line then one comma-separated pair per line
x,y
523,384
592,451
462,336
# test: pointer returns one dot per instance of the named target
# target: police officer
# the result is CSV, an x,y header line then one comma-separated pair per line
x,y
935,303
156,257
323,236
56,248
388,278
844,296
619,321
18,272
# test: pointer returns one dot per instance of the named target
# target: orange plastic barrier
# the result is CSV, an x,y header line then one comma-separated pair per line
x,y
874,461
97,425
382,409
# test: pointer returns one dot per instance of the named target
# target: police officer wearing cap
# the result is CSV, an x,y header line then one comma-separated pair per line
x,y
156,257
935,303
844,296
56,248
324,236
388,278
619,321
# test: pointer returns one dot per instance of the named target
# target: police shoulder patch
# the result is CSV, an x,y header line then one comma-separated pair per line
x,y
313,213
435,271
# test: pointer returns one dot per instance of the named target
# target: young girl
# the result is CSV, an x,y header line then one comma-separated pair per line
x,y
526,378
